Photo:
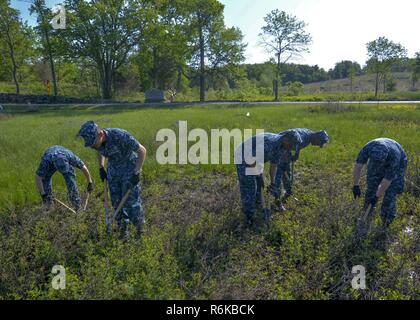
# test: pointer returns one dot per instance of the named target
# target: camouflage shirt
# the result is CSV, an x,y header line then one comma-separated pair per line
x,y
386,157
58,158
120,147
272,145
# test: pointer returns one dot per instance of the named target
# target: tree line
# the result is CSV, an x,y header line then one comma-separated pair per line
x,y
168,44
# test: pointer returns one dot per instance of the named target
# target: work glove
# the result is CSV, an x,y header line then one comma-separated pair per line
x,y
103,174
89,188
46,198
135,179
357,193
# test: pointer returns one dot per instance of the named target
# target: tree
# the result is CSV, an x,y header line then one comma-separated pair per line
x,y
344,68
415,75
45,31
212,44
106,33
382,54
352,76
164,45
284,35
294,88
14,39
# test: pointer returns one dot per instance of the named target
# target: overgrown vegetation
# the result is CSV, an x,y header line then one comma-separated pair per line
x,y
196,244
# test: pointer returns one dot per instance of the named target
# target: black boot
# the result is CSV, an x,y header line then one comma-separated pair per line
x,y
124,233
286,197
140,230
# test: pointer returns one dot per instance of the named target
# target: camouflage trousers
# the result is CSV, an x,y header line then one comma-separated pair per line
x,y
118,181
251,191
72,189
283,176
389,202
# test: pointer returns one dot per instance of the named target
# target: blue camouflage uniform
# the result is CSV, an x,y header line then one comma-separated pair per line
x,y
387,159
120,148
284,167
250,187
58,158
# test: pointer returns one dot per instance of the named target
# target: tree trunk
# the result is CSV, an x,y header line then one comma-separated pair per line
x,y
14,66
202,68
15,78
277,82
106,82
155,73
377,85
50,58
179,79
385,84
275,89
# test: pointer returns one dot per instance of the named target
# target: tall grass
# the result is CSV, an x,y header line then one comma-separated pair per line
x,y
196,244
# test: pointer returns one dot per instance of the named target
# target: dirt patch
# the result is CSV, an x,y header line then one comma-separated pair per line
x,y
5,116
184,200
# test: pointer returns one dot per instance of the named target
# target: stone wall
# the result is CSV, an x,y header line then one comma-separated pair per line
x,y
44,99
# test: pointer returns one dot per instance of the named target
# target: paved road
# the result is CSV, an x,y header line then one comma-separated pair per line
x,y
130,104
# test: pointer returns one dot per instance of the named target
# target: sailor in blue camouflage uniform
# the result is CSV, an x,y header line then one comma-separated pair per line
x,y
125,160
251,184
386,166
284,172
58,158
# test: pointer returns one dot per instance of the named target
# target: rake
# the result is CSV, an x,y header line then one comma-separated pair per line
x,y
64,205
265,203
110,218
86,202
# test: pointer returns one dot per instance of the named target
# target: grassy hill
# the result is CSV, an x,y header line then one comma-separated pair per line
x,y
365,83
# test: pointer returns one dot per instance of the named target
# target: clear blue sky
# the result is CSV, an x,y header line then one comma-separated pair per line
x,y
340,28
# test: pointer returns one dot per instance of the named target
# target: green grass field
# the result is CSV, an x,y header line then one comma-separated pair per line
x,y
196,244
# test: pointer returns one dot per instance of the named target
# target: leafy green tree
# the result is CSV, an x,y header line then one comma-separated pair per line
x,y
47,35
106,33
382,54
164,45
343,69
285,36
212,44
15,39
415,75
294,88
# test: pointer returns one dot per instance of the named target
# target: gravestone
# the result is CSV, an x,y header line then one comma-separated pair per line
x,y
154,95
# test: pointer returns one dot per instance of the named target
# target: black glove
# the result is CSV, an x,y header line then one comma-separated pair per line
x,y
135,179
103,174
89,188
46,198
294,158
357,193
373,201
